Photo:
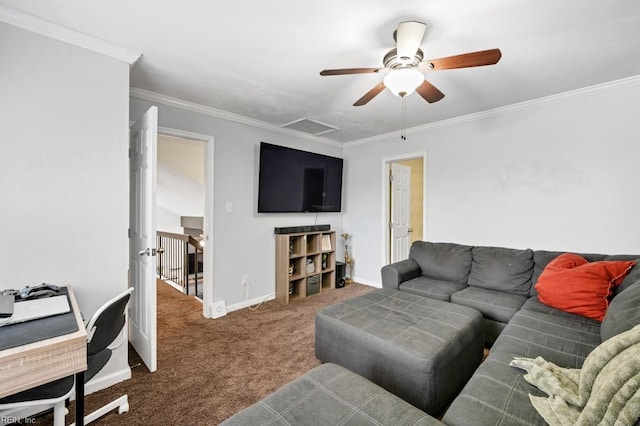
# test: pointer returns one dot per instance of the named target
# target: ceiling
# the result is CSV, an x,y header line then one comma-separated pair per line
x,y
262,59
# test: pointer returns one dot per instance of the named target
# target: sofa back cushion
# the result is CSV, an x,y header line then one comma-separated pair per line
x,y
632,277
624,309
503,269
443,261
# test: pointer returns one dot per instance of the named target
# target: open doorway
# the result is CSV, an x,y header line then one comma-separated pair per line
x,y
185,210
180,213
405,206
195,143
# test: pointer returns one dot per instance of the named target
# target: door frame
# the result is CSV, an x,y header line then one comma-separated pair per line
x,y
386,204
207,280
400,211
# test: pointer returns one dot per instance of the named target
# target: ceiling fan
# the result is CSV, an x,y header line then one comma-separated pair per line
x,y
404,65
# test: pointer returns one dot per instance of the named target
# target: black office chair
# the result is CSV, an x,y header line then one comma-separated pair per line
x,y
52,394
102,331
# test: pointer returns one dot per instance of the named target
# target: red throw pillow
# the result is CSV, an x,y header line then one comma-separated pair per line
x,y
572,284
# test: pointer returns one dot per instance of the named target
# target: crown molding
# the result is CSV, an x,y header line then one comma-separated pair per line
x,y
520,106
49,29
150,96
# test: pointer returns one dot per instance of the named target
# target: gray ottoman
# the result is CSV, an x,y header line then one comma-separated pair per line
x,y
331,395
420,349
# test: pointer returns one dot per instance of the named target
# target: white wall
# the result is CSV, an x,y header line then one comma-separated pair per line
x,y
243,240
180,182
64,175
558,174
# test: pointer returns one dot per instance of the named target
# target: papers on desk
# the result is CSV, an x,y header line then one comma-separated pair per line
x,y
37,308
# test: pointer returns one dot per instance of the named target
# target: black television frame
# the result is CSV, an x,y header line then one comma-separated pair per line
x,y
316,179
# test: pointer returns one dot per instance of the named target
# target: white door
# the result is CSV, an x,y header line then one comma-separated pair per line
x,y
400,211
143,141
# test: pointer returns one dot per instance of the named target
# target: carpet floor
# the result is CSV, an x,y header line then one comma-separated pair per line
x,y
210,369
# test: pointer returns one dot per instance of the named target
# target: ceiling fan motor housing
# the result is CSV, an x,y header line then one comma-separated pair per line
x,y
392,62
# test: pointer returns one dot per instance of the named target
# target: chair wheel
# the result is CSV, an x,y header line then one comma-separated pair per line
x,y
123,408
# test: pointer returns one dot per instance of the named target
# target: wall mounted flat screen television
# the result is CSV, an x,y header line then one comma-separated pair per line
x,y
295,181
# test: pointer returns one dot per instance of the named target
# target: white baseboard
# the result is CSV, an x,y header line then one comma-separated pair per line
x,y
250,302
367,282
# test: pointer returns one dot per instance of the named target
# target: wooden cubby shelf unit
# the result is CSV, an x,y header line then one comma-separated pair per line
x,y
300,258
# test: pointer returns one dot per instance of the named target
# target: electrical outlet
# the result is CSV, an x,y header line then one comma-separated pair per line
x,y
245,280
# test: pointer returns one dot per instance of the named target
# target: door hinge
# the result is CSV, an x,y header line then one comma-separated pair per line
x,y
390,177
129,233
390,225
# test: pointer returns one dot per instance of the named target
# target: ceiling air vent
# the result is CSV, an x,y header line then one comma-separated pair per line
x,y
312,127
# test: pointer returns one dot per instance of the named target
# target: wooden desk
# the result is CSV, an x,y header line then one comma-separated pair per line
x,y
27,366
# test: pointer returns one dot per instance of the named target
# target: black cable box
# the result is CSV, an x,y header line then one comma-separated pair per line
x,y
296,229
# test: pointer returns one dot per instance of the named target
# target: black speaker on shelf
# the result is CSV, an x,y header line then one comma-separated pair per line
x,y
340,271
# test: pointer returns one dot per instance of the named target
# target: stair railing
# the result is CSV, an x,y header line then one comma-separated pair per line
x,y
180,261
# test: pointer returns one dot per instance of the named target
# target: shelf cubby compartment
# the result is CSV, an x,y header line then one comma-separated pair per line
x,y
297,288
313,243
316,259
329,280
299,268
328,261
328,242
297,246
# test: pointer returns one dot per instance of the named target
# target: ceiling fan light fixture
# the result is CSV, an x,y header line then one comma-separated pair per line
x,y
403,81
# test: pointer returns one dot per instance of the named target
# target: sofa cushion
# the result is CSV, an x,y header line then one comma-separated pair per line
x,y
498,394
565,341
443,261
572,284
632,277
495,395
534,304
432,288
504,269
493,304
623,313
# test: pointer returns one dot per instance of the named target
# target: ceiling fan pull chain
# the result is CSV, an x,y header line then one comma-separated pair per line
x,y
403,135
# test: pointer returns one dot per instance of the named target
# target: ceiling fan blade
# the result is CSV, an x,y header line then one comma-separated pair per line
x,y
465,60
345,71
370,94
408,38
429,92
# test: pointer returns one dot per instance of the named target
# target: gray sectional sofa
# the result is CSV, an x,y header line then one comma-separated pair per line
x,y
419,294
499,282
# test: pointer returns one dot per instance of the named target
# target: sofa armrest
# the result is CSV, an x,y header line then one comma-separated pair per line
x,y
396,273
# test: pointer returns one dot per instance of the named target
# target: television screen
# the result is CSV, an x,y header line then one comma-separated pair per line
x,y
293,181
